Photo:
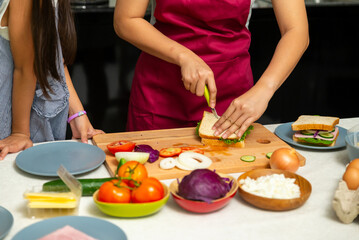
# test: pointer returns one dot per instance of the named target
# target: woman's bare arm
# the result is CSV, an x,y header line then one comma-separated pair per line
x,y
129,24
244,110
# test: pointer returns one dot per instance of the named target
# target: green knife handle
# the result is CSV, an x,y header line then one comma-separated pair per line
x,y
206,94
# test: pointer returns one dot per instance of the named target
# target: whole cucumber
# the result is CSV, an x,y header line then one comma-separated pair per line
x,y
89,185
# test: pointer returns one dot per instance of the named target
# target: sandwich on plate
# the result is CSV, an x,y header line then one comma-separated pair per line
x,y
206,133
316,130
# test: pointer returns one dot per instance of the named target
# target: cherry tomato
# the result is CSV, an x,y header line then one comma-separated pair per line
x,y
170,152
134,170
121,146
114,192
150,190
192,149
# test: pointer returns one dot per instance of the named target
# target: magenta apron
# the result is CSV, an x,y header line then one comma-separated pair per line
x,y
213,29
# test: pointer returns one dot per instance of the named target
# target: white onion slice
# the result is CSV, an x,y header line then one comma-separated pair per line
x,y
194,160
168,163
183,167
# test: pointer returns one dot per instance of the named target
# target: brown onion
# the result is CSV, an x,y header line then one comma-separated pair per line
x,y
284,159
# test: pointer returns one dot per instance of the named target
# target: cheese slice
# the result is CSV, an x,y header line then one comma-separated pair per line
x,y
51,200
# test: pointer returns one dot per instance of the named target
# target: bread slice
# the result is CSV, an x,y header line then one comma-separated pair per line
x,y
220,143
205,129
305,122
206,133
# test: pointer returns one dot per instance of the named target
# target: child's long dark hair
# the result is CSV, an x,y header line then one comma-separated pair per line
x,y
45,38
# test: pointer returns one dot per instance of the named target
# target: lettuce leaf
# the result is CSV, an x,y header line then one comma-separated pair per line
x,y
233,141
316,141
197,127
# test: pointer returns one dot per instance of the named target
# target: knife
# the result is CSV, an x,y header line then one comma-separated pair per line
x,y
206,95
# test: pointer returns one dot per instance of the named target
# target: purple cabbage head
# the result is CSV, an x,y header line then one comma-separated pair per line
x,y
204,185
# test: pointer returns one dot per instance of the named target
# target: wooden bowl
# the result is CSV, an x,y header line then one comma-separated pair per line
x,y
272,203
200,206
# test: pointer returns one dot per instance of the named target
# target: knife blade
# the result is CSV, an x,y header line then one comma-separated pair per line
x,y
206,95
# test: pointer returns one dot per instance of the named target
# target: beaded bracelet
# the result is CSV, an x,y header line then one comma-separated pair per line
x,y
76,115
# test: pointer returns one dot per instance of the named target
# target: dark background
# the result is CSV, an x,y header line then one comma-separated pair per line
x,y
323,83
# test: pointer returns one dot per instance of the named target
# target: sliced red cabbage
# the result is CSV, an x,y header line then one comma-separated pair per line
x,y
154,154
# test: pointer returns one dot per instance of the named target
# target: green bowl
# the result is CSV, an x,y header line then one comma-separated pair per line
x,y
131,210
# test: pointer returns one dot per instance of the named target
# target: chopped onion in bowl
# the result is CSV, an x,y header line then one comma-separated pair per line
x,y
271,186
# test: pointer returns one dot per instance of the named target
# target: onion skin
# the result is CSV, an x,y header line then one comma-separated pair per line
x,y
285,159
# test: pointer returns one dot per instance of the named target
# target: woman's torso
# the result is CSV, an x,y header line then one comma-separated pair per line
x,y
216,31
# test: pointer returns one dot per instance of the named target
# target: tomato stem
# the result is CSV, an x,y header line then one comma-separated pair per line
x,y
131,171
136,183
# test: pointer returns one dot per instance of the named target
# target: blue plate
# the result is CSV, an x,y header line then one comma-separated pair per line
x,y
45,159
94,227
6,221
285,132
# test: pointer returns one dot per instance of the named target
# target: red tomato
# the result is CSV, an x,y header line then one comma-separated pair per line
x,y
121,146
114,192
134,171
150,190
192,149
170,152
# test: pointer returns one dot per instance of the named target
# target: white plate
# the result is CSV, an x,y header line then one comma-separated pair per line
x,y
285,132
6,222
94,227
45,159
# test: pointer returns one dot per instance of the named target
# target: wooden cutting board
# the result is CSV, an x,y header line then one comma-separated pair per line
x,y
225,159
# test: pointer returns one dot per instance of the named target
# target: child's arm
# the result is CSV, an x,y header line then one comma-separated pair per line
x,y
80,126
24,80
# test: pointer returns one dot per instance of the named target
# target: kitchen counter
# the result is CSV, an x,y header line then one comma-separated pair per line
x,y
314,220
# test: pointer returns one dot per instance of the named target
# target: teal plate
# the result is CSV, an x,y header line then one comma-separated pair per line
x,y
285,132
94,227
45,159
6,222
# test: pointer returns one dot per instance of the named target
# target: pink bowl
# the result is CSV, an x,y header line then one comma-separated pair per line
x,y
200,206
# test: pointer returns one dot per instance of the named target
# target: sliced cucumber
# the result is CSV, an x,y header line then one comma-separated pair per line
x,y
325,134
308,132
268,155
248,158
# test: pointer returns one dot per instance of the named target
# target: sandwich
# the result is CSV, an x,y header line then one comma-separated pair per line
x,y
205,131
316,130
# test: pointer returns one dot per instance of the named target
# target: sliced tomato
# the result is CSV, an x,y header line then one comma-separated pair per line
x,y
170,152
192,149
121,146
